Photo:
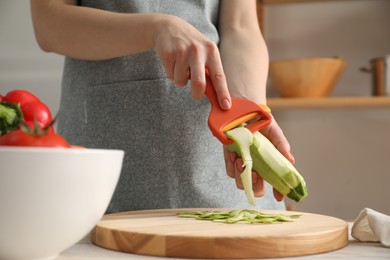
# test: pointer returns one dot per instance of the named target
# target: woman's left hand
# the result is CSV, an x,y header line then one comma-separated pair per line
x,y
234,164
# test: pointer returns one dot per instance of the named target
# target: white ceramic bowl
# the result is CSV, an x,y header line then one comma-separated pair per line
x,y
51,198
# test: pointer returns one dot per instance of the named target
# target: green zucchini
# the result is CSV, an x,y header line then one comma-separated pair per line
x,y
268,163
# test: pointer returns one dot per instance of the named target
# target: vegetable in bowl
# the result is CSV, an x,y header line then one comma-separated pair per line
x,y
23,106
26,121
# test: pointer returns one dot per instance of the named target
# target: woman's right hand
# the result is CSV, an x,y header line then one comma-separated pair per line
x,y
99,35
186,53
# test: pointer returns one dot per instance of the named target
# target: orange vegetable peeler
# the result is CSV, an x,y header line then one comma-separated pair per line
x,y
241,111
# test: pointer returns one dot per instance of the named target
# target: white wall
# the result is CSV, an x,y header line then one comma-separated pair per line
x,y
22,63
343,154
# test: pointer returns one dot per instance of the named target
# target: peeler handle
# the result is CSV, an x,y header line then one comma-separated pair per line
x,y
242,110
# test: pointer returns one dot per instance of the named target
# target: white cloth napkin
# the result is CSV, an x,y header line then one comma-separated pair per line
x,y
372,226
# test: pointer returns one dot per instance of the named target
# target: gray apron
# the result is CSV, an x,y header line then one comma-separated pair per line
x,y
171,158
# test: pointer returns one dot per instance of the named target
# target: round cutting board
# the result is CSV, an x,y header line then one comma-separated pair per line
x,y
162,233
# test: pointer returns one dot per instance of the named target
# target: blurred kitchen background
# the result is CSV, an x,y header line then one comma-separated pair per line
x,y
343,153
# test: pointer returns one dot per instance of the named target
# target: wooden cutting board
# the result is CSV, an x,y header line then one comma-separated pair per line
x,y
162,233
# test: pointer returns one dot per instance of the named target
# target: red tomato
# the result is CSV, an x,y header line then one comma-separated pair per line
x,y
20,137
1,98
36,111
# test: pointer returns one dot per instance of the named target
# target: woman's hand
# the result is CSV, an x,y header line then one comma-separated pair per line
x,y
234,164
100,34
186,53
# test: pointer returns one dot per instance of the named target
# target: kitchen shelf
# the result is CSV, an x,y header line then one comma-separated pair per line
x,y
330,102
359,102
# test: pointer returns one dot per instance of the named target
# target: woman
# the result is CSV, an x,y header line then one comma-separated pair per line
x,y
123,61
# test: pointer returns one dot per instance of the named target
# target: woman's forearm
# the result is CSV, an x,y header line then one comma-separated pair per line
x,y
93,34
243,51
87,33
245,61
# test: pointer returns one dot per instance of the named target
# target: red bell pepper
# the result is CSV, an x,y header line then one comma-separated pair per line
x,y
21,105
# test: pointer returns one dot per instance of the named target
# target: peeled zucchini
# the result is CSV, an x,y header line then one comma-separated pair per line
x,y
243,141
268,163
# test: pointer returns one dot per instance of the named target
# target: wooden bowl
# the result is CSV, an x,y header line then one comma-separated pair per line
x,y
307,77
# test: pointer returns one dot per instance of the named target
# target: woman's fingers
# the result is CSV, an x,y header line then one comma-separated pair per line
x,y
198,73
237,173
258,185
181,74
185,52
278,196
217,76
230,158
234,170
275,134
